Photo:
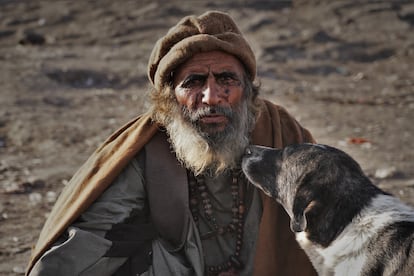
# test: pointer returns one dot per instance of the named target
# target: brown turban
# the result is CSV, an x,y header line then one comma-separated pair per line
x,y
210,31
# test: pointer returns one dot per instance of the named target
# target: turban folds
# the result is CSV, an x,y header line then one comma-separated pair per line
x,y
211,31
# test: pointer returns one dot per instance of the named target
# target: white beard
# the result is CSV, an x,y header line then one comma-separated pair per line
x,y
204,156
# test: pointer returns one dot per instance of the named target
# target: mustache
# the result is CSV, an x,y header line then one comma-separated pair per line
x,y
194,116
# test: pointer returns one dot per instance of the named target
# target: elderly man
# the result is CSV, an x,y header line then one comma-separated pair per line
x,y
165,195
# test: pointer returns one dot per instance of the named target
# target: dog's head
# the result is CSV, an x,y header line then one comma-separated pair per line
x,y
321,187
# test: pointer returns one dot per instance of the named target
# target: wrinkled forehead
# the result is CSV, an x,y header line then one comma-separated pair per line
x,y
206,62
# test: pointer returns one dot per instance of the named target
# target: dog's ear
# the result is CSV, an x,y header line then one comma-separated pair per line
x,y
298,223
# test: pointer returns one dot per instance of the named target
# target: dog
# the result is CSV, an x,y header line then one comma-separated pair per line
x,y
345,224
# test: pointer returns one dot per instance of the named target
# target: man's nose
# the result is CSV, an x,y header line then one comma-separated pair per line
x,y
212,92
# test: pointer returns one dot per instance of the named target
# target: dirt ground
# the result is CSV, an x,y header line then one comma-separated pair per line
x,y
72,72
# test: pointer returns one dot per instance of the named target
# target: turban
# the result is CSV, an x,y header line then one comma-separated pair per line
x,y
211,31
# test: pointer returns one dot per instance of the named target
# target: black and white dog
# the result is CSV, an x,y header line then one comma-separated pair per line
x,y
345,224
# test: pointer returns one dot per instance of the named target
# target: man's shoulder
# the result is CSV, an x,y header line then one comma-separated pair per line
x,y
276,127
274,109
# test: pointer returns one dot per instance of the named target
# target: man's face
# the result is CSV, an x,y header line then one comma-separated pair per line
x,y
208,87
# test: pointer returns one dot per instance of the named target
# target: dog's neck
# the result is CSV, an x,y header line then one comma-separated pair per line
x,y
346,255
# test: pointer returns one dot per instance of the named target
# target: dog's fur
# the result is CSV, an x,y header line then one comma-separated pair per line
x,y
345,224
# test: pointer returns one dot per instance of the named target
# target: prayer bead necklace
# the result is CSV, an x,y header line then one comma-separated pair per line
x,y
199,193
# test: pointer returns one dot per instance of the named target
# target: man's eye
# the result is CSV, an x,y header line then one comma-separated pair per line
x,y
228,79
193,81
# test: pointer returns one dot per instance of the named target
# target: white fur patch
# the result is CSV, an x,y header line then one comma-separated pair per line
x,y
347,254
302,238
351,266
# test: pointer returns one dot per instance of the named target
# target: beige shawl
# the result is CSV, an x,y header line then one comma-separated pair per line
x,y
277,251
